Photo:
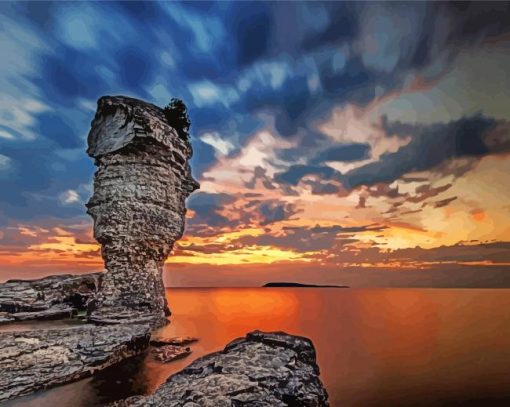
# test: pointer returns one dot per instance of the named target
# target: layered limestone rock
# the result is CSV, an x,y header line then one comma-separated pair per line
x,y
138,205
33,360
47,298
263,369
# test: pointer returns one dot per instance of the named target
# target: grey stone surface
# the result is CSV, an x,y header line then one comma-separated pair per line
x,y
263,369
5,318
33,360
168,353
176,340
138,205
56,312
46,298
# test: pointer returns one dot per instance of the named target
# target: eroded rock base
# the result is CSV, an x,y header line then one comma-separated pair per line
x,y
262,369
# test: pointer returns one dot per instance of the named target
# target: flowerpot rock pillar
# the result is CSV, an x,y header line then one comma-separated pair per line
x,y
138,205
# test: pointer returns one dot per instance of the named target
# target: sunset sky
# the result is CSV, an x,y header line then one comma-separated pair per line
x,y
348,143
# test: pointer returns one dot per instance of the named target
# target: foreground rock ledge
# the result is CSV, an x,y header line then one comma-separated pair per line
x,y
35,360
263,369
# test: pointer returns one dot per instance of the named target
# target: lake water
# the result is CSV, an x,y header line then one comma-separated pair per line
x,y
375,347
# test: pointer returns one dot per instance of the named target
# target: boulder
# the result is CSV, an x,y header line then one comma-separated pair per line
x,y
263,369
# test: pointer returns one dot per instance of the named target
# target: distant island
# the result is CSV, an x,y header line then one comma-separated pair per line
x,y
289,284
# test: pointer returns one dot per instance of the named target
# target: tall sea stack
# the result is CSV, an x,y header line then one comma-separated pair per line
x,y
138,205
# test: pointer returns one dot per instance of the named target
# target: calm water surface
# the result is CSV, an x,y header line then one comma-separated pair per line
x,y
375,347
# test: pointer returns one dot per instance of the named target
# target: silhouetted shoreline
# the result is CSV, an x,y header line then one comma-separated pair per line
x,y
301,285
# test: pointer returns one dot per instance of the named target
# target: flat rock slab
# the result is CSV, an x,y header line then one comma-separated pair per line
x,y
65,290
176,340
34,360
262,369
5,318
49,314
168,353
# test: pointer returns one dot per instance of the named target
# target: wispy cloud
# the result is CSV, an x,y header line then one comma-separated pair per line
x,y
310,121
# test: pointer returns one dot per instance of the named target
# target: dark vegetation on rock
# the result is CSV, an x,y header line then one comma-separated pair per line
x,y
176,115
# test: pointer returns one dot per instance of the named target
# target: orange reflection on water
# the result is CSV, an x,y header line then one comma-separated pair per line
x,y
375,347
272,308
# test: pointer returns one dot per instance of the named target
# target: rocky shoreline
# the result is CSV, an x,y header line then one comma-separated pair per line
x,y
143,177
262,369
53,297
34,360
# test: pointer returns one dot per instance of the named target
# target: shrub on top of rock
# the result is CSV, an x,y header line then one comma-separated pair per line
x,y
176,115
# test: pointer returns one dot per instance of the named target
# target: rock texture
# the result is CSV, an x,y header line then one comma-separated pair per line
x,y
169,353
56,312
34,360
47,298
138,205
176,340
263,369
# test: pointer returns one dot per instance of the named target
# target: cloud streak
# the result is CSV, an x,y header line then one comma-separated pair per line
x,y
310,121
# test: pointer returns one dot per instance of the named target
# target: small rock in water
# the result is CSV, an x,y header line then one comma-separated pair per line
x,y
168,353
176,340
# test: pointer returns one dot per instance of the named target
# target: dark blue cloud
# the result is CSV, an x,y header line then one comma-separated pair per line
x,y
69,74
203,157
252,23
430,146
295,173
54,127
205,200
275,211
293,62
37,178
135,69
343,25
145,10
321,188
343,153
303,238
207,207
